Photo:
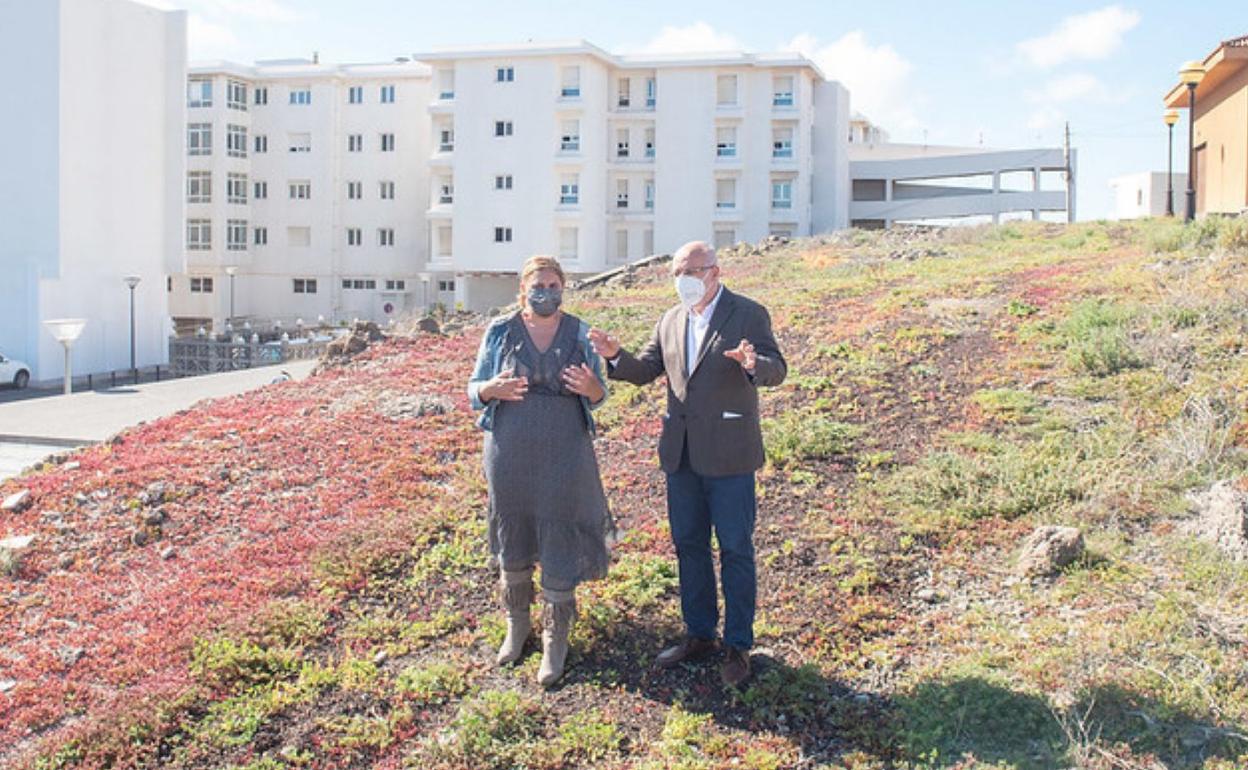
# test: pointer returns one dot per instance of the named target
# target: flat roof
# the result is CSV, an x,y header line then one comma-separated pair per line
x,y
306,68
1228,58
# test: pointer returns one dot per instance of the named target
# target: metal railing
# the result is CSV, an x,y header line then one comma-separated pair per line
x,y
190,356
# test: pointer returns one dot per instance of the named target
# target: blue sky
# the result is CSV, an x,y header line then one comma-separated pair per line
x,y
1004,74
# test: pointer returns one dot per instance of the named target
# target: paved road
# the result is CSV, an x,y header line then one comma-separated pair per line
x,y
32,429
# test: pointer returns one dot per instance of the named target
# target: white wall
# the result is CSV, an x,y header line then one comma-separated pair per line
x,y
1144,194
830,157
102,156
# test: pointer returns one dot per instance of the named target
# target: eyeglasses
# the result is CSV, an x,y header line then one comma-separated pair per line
x,y
693,270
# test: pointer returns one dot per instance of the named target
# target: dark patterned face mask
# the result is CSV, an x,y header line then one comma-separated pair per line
x,y
544,302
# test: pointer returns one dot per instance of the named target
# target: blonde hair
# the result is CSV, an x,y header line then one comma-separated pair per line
x,y
534,265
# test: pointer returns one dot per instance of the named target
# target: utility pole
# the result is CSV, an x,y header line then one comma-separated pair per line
x,y
1070,178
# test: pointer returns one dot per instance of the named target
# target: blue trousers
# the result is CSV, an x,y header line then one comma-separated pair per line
x,y
695,505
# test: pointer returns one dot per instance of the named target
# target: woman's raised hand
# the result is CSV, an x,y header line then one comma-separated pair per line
x,y
505,387
582,381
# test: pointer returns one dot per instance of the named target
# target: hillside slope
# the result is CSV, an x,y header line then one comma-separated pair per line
x,y
297,577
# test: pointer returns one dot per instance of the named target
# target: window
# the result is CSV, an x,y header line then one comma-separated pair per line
x,y
446,191
569,190
782,142
199,187
359,283
261,191
236,188
446,285
647,242
502,235
725,194
621,244
301,190
201,285
726,142
446,140
236,95
621,193
386,190
502,128
261,236
385,236
1139,197
199,139
198,234
571,83
782,91
355,236
621,143
444,243
504,74
782,193
355,95
396,285
387,94
301,96
261,96
446,84
387,142
724,238
650,142
502,182
568,237
355,190
622,92
782,232
199,92
299,236
652,90
301,142
355,142
236,235
649,192
570,136
262,143
236,141
305,285
726,90
168,283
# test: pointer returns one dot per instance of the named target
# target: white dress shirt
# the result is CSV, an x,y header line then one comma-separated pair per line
x,y
695,330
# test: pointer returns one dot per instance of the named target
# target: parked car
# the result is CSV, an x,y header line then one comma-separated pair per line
x,y
16,372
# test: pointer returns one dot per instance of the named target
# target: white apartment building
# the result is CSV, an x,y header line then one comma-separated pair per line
x,y
369,190
91,170
306,189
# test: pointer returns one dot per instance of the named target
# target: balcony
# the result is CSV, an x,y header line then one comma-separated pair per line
x,y
782,101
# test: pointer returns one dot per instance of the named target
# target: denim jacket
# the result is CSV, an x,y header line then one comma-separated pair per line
x,y
489,364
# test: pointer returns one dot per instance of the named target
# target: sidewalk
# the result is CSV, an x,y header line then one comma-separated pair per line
x,y
30,430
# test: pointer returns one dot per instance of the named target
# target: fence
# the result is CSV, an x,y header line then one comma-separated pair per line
x,y
190,356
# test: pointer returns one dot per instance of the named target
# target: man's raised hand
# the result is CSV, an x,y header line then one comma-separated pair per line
x,y
743,354
604,343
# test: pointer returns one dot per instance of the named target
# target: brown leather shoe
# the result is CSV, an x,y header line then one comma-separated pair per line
x,y
690,648
735,669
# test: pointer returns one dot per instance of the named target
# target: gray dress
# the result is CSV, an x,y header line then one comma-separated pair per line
x,y
546,500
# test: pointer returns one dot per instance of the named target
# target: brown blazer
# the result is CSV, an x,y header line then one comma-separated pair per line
x,y
716,407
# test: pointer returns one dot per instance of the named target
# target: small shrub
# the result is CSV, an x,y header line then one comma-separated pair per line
x,y
495,730
1007,404
433,683
588,737
1095,338
1021,309
229,664
796,437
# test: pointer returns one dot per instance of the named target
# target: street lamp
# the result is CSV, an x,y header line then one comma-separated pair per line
x,y
65,331
1190,75
132,281
1170,117
231,271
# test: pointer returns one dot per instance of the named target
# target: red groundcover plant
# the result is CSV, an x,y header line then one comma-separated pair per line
x,y
187,524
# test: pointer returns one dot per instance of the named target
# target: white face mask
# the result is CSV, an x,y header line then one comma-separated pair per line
x,y
690,289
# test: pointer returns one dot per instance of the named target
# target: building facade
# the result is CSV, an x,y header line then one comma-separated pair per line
x,y
1141,195
91,175
1220,168
492,155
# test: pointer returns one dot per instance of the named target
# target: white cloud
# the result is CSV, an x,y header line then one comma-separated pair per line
x,y
1092,35
1069,88
698,37
878,78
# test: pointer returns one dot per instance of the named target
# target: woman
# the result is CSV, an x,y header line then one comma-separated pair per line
x,y
536,381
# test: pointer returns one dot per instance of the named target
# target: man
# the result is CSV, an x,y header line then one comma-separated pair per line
x,y
716,348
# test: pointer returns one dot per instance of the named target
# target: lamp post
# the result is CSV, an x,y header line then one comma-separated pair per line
x,y
231,271
1170,117
65,331
1190,75
132,281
